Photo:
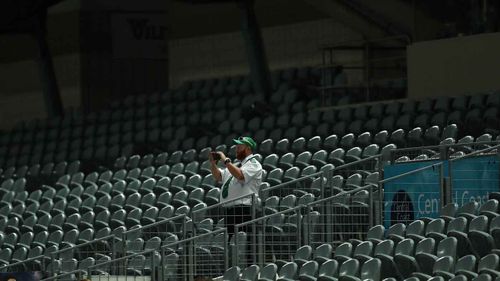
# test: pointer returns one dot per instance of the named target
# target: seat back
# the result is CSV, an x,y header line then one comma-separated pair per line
x,y
385,247
371,270
329,268
232,274
309,268
250,273
288,271
349,268
324,250
269,272
405,247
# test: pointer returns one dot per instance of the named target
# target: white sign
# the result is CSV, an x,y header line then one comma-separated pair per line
x,y
139,35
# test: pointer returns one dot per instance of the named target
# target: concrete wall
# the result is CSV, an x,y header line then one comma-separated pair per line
x,y
93,69
20,92
124,50
20,87
456,66
286,46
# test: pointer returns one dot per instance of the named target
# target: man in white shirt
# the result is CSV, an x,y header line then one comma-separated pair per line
x,y
243,178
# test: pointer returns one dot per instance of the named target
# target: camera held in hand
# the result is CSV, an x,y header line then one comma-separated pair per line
x,y
215,156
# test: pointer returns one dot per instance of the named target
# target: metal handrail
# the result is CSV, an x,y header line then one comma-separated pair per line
x,y
441,163
58,252
222,204
154,224
135,254
352,191
301,179
411,172
388,38
52,255
21,262
83,244
475,153
377,156
356,105
304,205
443,146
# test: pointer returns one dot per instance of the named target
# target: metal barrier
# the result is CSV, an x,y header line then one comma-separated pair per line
x,y
411,195
264,238
133,239
202,255
185,227
104,246
322,184
277,236
299,186
346,215
218,211
440,183
474,176
110,246
440,152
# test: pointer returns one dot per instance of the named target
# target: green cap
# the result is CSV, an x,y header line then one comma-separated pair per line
x,y
246,141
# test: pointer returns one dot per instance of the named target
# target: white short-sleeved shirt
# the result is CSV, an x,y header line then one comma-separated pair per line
x,y
252,172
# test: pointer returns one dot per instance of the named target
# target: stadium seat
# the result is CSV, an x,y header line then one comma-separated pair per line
x,y
308,271
288,272
250,273
481,241
330,142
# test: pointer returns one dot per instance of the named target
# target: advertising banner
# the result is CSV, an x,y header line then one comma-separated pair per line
x,y
418,195
139,35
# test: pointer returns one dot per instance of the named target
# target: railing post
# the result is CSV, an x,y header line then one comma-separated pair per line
x,y
443,152
52,259
43,264
448,183
380,195
254,230
226,251
162,267
328,227
191,261
153,275
184,228
329,181
307,228
235,248
327,217
113,248
442,183
124,252
261,249
299,226
322,185
371,213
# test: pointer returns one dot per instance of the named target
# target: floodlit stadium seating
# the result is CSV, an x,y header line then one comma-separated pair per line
x,y
69,181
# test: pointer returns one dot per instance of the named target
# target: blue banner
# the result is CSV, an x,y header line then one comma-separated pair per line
x,y
418,195
474,179
413,196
